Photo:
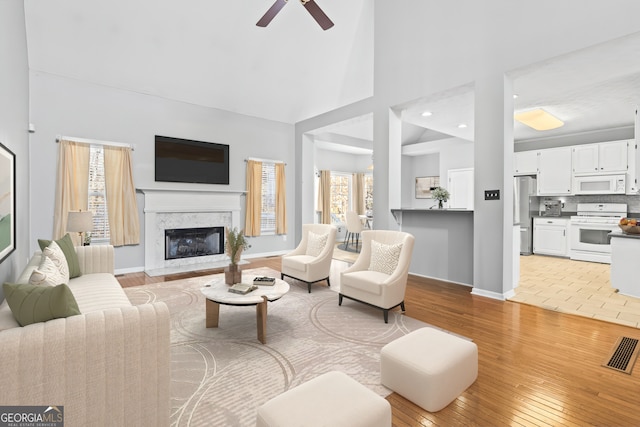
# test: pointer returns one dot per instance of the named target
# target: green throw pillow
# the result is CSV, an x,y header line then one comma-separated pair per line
x,y
32,303
66,244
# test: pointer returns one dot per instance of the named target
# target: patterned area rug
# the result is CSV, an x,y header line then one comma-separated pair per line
x,y
220,376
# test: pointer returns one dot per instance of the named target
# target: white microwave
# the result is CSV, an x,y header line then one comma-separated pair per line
x,y
599,184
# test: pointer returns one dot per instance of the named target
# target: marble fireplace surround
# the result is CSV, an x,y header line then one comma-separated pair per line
x,y
169,209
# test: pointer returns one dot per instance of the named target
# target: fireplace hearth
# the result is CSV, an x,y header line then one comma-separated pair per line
x,y
193,242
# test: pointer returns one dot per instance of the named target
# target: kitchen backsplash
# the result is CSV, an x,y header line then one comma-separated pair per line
x,y
571,202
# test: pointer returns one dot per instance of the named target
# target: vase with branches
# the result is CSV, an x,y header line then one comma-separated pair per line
x,y
235,242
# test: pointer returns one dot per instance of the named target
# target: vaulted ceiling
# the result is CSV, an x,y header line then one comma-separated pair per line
x,y
210,52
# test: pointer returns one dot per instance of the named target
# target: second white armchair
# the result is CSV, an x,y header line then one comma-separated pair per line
x,y
310,262
379,275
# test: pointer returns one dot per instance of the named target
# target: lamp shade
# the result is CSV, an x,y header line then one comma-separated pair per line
x,y
80,221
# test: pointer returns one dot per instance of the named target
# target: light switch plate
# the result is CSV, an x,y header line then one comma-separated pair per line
x,y
492,194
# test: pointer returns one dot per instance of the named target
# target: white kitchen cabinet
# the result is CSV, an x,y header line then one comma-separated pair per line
x,y
525,163
554,172
633,180
585,159
625,251
633,173
612,156
604,157
551,236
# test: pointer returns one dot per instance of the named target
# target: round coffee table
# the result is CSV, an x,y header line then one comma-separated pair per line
x,y
217,292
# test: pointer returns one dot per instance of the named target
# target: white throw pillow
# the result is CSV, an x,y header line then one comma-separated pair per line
x,y
316,243
47,274
384,258
55,254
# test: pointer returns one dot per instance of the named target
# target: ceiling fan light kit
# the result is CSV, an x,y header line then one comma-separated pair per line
x,y
312,7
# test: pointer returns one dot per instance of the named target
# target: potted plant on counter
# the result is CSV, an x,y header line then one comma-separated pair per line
x,y
441,195
235,242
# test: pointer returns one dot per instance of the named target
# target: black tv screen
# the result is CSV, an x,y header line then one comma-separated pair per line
x,y
185,160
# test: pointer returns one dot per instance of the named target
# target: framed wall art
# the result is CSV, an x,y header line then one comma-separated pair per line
x,y
7,202
424,185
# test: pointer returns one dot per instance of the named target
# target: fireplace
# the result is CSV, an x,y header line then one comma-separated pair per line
x,y
171,209
193,242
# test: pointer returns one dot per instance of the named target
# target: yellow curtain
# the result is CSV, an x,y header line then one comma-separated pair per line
x,y
281,200
72,185
122,207
254,199
358,193
324,197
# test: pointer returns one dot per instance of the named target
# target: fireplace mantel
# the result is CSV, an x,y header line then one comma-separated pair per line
x,y
179,200
179,208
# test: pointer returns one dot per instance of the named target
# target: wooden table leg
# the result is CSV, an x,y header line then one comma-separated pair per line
x,y
212,314
261,317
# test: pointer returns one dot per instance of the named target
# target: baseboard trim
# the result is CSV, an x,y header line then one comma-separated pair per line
x,y
493,295
441,279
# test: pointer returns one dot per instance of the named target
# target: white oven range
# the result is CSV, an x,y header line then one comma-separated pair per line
x,y
590,228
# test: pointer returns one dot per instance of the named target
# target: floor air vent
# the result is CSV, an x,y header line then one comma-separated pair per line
x,y
624,355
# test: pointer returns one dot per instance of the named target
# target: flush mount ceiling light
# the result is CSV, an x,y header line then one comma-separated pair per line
x,y
427,114
462,126
539,119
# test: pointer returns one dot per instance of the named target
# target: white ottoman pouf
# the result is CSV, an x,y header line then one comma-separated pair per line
x,y
332,399
429,367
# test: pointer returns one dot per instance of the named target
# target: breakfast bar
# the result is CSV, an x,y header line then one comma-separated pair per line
x,y
444,242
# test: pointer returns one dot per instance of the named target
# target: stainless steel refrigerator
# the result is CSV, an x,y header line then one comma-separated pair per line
x,y
524,208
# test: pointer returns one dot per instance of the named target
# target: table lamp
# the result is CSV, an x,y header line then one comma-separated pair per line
x,y
80,222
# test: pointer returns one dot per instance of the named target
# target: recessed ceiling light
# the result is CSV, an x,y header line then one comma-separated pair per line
x,y
462,126
515,95
539,119
427,114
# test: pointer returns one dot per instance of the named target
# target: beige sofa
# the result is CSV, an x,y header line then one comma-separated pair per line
x,y
108,366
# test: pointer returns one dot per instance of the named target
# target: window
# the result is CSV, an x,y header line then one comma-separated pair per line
x,y
97,194
268,215
340,196
368,192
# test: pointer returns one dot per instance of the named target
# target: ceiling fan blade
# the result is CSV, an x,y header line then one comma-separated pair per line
x,y
271,13
317,13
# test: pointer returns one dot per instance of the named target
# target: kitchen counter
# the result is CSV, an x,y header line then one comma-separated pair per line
x,y
625,255
624,235
430,210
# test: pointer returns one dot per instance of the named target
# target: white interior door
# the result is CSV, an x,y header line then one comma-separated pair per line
x,y
461,188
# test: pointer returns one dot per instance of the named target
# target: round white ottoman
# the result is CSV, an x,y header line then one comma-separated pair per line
x,y
429,367
332,399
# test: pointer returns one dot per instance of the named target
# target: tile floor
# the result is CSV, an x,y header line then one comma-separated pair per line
x,y
574,287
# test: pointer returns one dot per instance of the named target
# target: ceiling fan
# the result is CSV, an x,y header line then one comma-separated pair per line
x,y
321,18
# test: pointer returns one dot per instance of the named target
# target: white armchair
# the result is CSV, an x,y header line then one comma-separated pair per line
x,y
379,275
310,262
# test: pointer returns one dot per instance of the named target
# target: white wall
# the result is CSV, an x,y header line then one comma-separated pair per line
x,y
62,106
341,162
418,166
14,124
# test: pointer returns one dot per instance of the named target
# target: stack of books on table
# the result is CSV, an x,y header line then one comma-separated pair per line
x,y
264,281
242,288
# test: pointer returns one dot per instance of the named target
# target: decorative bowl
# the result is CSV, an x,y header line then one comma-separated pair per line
x,y
630,229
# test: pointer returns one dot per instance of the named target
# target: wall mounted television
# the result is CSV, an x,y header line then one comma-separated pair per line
x,y
185,160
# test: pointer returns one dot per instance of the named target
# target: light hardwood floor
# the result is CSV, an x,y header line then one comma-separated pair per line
x,y
537,367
